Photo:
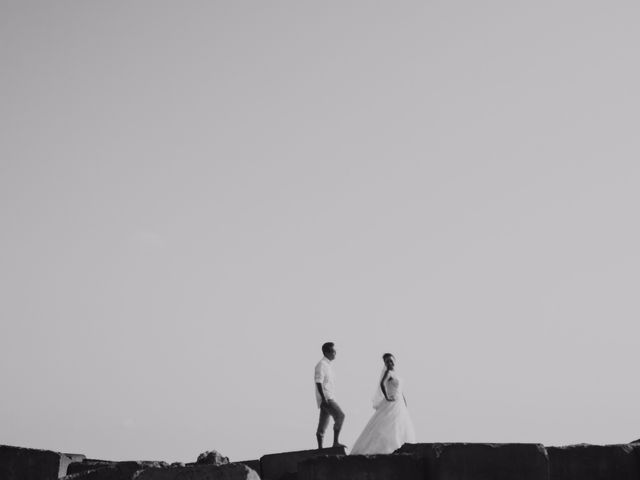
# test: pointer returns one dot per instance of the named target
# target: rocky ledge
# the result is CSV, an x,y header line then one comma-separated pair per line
x,y
420,461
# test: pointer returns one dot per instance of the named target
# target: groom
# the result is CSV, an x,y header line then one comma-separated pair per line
x,y
324,379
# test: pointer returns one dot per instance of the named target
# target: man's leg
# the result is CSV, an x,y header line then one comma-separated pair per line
x,y
338,419
323,423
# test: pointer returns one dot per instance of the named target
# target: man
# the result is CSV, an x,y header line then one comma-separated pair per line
x,y
325,398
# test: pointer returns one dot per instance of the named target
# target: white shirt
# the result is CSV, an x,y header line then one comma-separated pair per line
x,y
324,376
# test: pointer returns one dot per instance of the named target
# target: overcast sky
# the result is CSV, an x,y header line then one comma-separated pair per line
x,y
194,196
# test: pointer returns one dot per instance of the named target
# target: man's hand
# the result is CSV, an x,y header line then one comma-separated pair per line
x,y
323,402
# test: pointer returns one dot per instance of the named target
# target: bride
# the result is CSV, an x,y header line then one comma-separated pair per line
x,y
390,426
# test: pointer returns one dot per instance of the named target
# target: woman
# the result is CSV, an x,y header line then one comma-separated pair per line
x,y
390,426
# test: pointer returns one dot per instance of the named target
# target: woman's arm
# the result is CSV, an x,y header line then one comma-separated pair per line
x,y
384,390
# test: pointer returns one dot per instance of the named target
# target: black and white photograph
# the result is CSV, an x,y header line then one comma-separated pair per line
x,y
298,240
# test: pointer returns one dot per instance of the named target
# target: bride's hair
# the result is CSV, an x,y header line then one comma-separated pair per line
x,y
387,355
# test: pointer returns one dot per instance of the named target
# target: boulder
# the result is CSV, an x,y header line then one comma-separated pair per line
x,y
252,464
29,464
104,470
88,464
284,466
480,461
199,472
112,471
67,459
595,462
212,457
361,467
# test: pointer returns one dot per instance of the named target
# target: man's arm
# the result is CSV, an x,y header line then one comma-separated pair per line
x,y
319,387
319,375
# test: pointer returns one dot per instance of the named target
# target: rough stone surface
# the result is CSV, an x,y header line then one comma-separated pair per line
x,y
284,466
28,464
481,461
212,457
595,462
67,459
88,464
252,464
103,470
200,472
361,467
433,461
113,471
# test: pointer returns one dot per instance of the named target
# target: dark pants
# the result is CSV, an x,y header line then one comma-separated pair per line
x,y
330,409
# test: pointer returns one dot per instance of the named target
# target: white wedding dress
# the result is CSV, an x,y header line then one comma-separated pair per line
x,y
390,426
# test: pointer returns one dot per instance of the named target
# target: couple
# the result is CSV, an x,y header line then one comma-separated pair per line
x,y
389,427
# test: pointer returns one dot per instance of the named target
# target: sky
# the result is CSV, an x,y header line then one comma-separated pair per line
x,y
194,196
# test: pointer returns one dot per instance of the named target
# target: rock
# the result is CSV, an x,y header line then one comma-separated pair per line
x,y
67,459
30,464
472,461
283,466
177,464
200,472
113,471
365,467
105,470
88,464
212,457
252,464
595,462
